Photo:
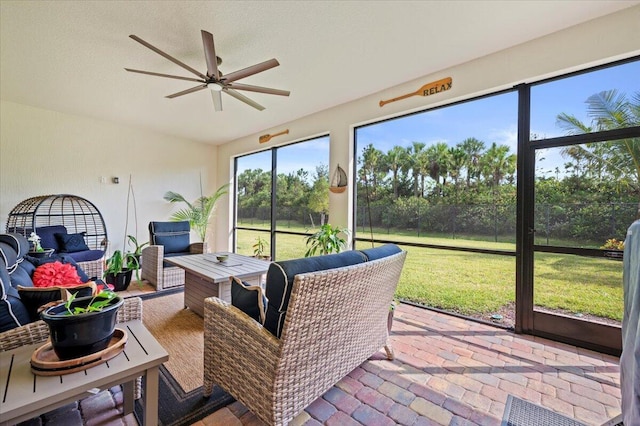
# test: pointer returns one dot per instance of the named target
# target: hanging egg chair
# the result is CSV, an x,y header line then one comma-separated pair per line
x,y
63,213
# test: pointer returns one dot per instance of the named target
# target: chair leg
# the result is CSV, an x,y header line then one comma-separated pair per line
x,y
389,350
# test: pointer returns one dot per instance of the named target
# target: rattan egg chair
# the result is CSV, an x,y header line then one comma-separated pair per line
x,y
74,213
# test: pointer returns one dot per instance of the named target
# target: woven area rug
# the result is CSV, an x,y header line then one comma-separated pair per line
x,y
180,332
519,412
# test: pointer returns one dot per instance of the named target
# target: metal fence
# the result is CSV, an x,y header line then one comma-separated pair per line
x,y
590,223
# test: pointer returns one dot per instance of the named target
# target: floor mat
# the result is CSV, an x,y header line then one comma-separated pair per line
x,y
179,408
518,412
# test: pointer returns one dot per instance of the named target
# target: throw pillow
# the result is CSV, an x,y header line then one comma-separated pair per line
x,y
35,298
71,243
55,274
248,298
63,258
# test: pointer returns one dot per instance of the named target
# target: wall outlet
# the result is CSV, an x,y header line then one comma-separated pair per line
x,y
103,179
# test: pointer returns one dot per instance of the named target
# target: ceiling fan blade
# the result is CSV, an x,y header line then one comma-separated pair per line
x,y
165,75
243,98
253,69
210,54
250,88
171,58
186,92
217,99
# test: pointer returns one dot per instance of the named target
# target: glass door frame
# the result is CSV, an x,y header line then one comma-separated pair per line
x,y
591,335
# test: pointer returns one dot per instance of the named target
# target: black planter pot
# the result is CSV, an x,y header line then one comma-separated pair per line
x,y
121,280
75,336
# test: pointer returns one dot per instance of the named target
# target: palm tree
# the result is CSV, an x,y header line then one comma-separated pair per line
x,y
438,162
608,110
473,149
395,160
456,163
497,163
371,162
414,159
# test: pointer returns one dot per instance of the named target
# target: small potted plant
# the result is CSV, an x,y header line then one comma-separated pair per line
x,y
259,248
82,326
119,269
137,247
614,249
36,249
325,241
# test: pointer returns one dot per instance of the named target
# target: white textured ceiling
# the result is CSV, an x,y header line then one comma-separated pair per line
x,y
70,56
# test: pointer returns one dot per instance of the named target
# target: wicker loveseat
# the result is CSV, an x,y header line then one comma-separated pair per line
x,y
335,320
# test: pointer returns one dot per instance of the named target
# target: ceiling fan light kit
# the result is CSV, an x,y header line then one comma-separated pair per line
x,y
214,79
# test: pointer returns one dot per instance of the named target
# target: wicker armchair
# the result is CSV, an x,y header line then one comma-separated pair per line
x,y
37,332
336,319
163,234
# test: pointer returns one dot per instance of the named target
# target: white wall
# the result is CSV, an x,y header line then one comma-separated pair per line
x,y
603,40
45,152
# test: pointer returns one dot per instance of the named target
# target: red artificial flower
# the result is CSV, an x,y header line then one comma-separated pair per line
x,y
56,274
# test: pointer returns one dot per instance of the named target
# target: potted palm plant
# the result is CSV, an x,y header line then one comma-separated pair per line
x,y
197,213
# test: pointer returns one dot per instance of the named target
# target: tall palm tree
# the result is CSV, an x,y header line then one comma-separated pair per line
x,y
456,163
395,160
497,163
438,163
371,163
473,149
414,160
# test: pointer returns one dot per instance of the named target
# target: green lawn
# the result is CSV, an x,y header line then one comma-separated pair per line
x,y
480,284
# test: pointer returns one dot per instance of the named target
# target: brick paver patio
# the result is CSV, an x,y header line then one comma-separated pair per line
x,y
451,371
447,371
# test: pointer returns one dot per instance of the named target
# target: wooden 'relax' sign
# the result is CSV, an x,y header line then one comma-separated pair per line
x,y
426,90
266,138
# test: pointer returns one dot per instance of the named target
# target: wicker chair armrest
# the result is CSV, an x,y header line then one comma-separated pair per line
x,y
130,310
27,334
239,354
152,258
196,248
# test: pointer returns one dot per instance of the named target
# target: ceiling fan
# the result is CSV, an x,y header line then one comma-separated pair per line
x,y
214,80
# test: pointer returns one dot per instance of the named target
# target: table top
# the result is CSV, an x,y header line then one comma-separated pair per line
x,y
23,392
208,267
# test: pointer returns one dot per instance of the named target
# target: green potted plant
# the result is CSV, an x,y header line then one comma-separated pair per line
x,y
119,269
82,326
197,213
326,240
259,248
137,247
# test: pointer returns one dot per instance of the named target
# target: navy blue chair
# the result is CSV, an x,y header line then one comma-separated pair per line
x,y
167,239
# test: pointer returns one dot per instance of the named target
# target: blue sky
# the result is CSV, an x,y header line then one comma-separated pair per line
x,y
492,119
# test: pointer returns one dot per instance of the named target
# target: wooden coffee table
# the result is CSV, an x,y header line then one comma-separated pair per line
x,y
26,395
206,277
